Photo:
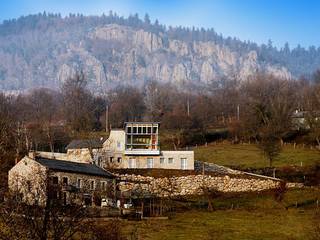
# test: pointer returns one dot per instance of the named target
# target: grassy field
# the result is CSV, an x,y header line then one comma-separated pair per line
x,y
239,224
250,156
254,217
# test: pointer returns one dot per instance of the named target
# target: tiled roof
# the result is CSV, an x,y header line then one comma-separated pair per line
x,y
68,166
85,143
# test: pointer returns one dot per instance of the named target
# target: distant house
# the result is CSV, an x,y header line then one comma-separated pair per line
x,y
85,150
304,119
37,178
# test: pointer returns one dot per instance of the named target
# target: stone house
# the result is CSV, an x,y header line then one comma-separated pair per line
x,y
85,150
36,178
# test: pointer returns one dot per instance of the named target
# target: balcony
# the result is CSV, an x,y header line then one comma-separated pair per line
x,y
147,152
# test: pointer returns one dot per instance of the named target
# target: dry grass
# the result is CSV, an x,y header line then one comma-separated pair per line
x,y
249,156
254,217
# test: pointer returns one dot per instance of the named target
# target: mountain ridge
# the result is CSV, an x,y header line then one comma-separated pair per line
x,y
43,50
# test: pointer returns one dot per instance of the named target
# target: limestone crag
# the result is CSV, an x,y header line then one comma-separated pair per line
x,y
112,55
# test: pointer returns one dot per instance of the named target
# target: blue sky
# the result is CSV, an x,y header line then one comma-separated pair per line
x,y
295,21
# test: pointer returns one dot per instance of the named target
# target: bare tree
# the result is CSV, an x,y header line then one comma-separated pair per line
x,y
126,104
269,105
312,112
44,108
78,106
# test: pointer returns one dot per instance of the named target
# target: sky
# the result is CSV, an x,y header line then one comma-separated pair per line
x,y
292,21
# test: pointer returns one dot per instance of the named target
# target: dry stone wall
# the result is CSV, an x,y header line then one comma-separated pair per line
x,y
192,184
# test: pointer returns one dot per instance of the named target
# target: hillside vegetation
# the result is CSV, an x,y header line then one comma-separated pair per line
x,y
250,156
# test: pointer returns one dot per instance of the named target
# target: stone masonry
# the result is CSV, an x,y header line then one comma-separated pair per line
x,y
192,184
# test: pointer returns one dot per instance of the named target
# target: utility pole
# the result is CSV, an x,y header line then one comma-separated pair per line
x,y
238,112
107,119
188,108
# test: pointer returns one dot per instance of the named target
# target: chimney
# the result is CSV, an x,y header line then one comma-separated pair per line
x,y
32,154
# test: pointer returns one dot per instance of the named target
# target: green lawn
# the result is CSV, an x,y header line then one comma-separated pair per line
x,y
249,155
256,217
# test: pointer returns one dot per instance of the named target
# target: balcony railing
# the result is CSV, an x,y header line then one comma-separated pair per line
x,y
142,152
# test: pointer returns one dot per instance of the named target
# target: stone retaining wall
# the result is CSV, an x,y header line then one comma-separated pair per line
x,y
191,185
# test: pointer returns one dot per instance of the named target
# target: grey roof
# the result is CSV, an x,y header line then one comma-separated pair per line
x,y
85,143
73,167
141,123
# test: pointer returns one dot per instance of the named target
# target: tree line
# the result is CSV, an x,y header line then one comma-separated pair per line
x,y
260,110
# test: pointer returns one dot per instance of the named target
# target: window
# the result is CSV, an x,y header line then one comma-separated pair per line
x,y
183,163
100,161
149,129
111,159
119,159
132,163
144,130
55,180
128,129
92,185
161,160
79,183
170,160
103,185
154,130
65,181
150,163
134,129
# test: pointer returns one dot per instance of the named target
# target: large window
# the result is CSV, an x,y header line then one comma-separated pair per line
x,y
183,163
150,163
142,136
132,163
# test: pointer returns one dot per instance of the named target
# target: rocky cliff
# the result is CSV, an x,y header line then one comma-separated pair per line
x,y
112,55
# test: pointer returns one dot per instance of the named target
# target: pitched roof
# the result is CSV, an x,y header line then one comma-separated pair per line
x,y
85,143
73,167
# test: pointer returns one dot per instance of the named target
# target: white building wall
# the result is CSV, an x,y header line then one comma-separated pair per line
x,y
166,160
116,141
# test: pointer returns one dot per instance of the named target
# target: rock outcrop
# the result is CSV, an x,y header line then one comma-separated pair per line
x,y
112,54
